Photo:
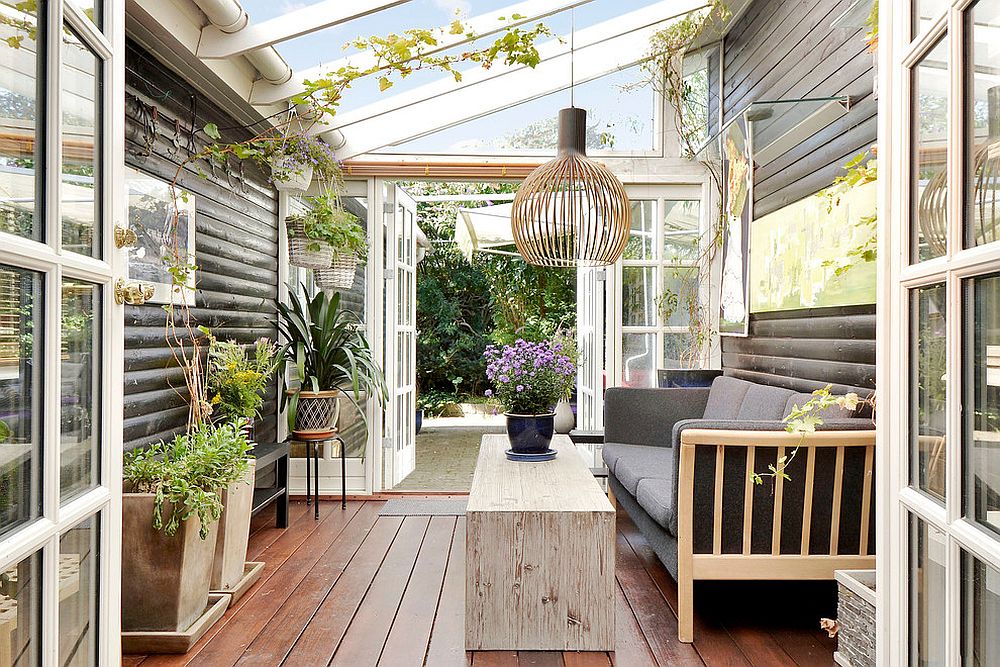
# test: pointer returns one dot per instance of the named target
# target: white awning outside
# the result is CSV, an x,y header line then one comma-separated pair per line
x,y
484,229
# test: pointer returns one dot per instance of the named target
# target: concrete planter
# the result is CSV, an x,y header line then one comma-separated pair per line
x,y
234,533
856,618
165,580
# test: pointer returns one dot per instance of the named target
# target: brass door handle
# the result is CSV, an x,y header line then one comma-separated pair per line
x,y
125,237
134,294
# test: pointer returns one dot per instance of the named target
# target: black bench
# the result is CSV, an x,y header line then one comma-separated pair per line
x,y
266,454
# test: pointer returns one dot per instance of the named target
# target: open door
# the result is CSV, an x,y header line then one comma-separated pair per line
x,y
590,293
399,438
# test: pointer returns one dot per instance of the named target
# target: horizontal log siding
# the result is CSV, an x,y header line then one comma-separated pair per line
x,y
236,248
786,49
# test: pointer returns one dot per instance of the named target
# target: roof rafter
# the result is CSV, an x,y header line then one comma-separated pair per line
x,y
601,49
218,44
481,25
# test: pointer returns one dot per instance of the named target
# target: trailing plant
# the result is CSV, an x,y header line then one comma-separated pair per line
x,y
328,221
188,474
529,378
237,379
871,23
389,58
804,420
329,350
284,152
860,170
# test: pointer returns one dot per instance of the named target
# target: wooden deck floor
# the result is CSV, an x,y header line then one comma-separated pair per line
x,y
357,589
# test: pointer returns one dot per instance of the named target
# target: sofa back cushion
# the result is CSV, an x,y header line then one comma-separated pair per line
x,y
637,416
832,412
763,402
725,397
733,398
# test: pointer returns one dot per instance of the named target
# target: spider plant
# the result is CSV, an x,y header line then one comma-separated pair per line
x,y
328,347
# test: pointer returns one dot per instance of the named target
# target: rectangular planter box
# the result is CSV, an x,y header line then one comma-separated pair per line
x,y
856,618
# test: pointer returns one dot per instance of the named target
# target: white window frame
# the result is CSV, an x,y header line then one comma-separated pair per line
x,y
103,501
896,498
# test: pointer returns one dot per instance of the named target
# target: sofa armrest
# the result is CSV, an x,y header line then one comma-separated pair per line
x,y
635,416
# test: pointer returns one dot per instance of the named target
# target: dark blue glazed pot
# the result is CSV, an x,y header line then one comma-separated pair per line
x,y
419,420
530,434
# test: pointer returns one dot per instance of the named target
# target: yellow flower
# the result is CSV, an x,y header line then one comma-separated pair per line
x,y
216,399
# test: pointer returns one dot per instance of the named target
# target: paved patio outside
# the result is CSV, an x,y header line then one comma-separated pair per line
x,y
447,449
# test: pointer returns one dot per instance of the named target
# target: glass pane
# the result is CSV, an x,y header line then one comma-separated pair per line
x,y
980,613
21,115
928,550
21,348
81,391
678,300
680,351
78,588
928,180
20,613
927,389
982,198
639,360
81,143
925,12
638,296
681,222
640,240
981,372
93,10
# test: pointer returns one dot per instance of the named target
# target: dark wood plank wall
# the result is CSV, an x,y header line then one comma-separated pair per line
x,y
236,246
786,49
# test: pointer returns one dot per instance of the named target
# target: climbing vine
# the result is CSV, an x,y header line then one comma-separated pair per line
x,y
860,170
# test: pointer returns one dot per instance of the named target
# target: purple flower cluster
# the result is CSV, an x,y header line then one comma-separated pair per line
x,y
529,378
295,153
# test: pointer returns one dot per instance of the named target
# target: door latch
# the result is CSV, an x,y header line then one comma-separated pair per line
x,y
134,294
125,238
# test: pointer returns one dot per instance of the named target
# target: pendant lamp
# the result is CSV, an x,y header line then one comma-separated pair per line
x,y
571,211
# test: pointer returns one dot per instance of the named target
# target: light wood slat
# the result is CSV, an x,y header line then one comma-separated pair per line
x,y
685,544
767,566
838,489
748,499
779,487
704,436
720,459
807,502
866,500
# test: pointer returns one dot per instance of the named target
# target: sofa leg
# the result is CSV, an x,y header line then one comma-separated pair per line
x,y
685,609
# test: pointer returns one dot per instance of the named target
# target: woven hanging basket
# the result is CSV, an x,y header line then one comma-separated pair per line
x,y
317,413
340,275
303,252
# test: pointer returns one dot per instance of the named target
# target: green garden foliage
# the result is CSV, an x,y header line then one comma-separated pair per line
x,y
463,306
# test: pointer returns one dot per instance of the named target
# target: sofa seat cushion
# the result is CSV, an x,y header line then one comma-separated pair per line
x,y
631,463
658,498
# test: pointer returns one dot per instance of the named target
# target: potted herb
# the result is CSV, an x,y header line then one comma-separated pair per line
x,y
236,379
170,512
528,380
331,356
345,234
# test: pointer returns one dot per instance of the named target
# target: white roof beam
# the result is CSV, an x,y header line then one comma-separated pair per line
x,y
601,50
481,25
216,43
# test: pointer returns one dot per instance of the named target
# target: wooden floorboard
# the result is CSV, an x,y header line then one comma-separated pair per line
x,y
356,588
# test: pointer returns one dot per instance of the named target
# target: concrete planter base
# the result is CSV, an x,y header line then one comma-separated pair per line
x,y
251,573
165,580
234,533
177,642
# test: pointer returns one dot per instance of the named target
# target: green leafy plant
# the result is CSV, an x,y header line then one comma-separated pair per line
x,y
804,420
871,25
859,170
328,221
435,402
329,350
188,474
237,379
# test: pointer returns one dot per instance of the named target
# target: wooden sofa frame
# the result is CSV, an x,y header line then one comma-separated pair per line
x,y
775,565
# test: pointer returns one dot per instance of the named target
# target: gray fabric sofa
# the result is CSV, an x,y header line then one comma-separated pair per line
x,y
679,464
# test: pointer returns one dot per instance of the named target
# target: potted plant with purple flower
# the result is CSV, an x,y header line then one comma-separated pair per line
x,y
294,158
528,379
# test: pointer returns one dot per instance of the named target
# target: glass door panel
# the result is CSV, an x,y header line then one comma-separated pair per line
x,y
79,552
80,406
928,558
21,613
928,180
927,390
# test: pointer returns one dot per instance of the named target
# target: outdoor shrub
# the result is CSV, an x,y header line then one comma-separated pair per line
x,y
236,381
189,473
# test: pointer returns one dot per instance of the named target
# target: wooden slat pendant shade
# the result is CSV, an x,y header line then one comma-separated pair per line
x,y
571,211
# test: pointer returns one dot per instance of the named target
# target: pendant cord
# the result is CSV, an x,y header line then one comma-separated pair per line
x,y
572,49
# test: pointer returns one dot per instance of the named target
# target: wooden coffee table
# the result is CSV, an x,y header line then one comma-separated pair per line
x,y
540,554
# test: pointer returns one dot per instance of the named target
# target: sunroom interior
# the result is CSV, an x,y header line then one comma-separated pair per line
x,y
801,207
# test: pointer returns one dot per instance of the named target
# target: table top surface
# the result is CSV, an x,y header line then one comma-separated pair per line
x,y
564,484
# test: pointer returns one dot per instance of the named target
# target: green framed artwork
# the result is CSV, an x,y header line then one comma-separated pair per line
x,y
796,251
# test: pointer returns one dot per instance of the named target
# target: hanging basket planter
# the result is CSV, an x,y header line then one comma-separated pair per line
x,y
341,273
290,177
309,253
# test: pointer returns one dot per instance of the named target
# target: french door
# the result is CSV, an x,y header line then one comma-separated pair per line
x,y
61,340
590,330
939,333
399,439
